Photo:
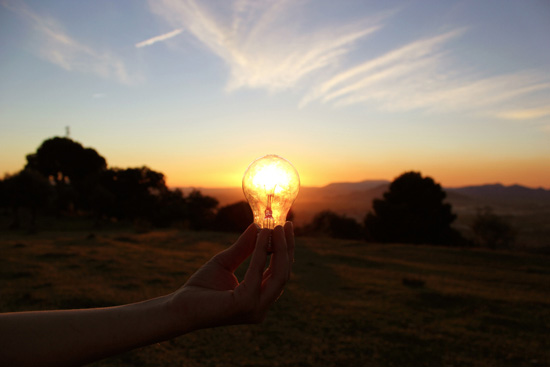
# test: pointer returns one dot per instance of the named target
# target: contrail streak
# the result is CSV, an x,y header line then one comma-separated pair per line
x,y
156,39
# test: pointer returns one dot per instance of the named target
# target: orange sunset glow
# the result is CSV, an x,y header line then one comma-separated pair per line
x,y
314,173
347,92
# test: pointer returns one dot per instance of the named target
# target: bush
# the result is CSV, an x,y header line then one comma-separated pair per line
x,y
331,224
234,217
28,190
491,230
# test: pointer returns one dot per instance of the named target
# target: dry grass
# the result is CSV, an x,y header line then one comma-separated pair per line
x,y
348,304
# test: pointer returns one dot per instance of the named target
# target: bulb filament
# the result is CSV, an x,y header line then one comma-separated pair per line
x,y
268,218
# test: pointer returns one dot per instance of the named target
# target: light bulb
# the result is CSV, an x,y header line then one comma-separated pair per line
x,y
270,184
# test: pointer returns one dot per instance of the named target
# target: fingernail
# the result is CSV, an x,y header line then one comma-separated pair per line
x,y
290,226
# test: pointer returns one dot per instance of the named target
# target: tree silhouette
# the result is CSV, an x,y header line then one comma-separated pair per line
x,y
412,211
337,226
76,179
73,169
65,160
137,192
234,217
171,209
27,189
102,202
200,210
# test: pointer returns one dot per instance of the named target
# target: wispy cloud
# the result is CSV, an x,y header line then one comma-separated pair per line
x,y
59,48
162,37
421,75
256,40
266,45
526,114
356,84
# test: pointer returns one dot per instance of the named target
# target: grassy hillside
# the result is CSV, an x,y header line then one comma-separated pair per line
x,y
348,303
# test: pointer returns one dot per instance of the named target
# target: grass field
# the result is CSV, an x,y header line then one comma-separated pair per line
x,y
348,304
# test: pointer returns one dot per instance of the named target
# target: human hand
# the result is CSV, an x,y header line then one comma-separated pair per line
x,y
213,296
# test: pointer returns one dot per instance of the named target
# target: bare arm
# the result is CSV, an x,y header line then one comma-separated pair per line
x,y
76,337
211,297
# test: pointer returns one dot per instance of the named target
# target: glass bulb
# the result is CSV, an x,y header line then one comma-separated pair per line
x,y
270,184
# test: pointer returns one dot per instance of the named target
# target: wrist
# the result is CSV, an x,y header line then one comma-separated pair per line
x,y
182,318
193,308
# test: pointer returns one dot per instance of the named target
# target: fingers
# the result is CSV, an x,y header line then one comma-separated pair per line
x,y
253,276
279,268
232,257
289,236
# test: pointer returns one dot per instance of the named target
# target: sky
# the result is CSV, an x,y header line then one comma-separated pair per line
x,y
345,90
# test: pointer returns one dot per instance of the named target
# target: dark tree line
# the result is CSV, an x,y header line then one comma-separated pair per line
x,y
27,189
63,178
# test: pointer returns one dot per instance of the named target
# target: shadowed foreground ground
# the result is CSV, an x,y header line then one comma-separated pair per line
x,y
348,304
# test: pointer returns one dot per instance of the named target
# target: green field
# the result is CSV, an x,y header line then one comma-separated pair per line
x,y
349,303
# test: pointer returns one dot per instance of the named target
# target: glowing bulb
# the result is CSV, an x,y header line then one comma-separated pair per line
x,y
270,184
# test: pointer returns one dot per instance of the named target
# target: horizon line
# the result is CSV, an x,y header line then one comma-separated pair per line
x,y
198,187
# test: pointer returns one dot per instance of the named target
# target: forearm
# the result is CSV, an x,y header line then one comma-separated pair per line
x,y
212,297
76,337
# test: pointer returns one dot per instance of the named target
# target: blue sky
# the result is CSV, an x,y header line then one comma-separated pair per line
x,y
346,90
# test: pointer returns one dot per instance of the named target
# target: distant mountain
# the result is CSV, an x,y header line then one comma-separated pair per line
x,y
497,190
498,194
354,186
354,199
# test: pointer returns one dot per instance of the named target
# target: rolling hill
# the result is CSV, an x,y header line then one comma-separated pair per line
x,y
354,199
527,209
